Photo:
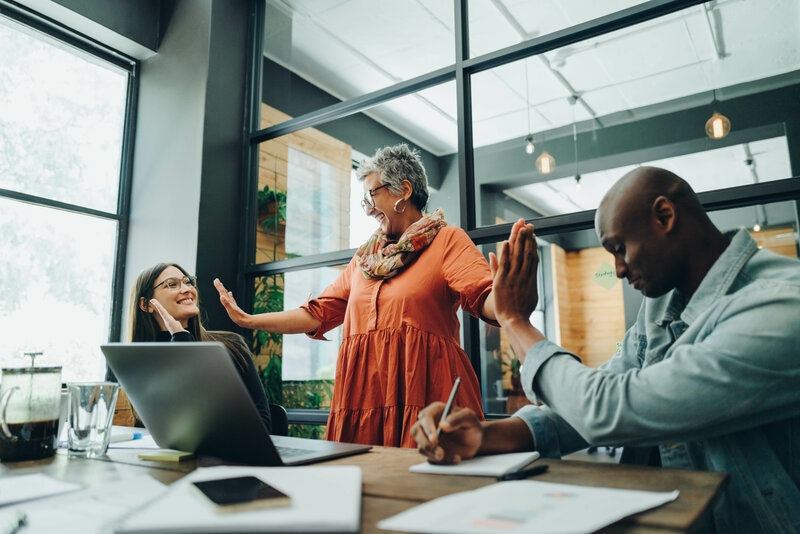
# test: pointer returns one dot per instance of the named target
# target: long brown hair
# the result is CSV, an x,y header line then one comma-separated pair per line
x,y
143,326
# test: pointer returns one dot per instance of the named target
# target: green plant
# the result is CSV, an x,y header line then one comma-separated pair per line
x,y
268,297
272,379
308,394
271,208
512,365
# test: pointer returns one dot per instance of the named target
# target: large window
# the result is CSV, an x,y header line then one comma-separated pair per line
x,y
64,108
596,91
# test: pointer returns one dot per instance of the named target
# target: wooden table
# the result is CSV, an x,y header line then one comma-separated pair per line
x,y
389,488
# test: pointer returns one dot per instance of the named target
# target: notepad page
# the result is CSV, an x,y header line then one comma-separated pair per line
x,y
492,465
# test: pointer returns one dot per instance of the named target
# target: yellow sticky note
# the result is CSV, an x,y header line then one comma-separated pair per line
x,y
166,455
606,276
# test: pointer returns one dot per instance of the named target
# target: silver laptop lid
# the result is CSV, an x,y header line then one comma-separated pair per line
x,y
190,397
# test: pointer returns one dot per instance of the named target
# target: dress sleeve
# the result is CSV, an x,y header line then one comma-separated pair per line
x,y
330,306
467,271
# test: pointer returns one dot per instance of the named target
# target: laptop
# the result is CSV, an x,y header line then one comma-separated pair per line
x,y
190,397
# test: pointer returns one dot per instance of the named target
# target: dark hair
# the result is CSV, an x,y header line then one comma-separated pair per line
x,y
143,326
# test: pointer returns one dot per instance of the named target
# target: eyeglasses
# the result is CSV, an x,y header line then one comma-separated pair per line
x,y
176,283
368,200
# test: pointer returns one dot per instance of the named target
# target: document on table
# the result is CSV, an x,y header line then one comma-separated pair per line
x,y
493,465
26,487
526,506
88,511
324,499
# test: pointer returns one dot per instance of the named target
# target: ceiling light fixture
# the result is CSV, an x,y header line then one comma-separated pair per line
x,y
529,148
545,163
718,125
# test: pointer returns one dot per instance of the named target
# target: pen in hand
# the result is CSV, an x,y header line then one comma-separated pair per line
x,y
449,405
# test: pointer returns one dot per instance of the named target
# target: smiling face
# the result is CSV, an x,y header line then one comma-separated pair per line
x,y
180,302
391,223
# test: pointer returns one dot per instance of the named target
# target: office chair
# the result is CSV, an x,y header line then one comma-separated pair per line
x,y
280,420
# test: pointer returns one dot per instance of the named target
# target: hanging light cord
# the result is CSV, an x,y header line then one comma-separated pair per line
x,y
528,96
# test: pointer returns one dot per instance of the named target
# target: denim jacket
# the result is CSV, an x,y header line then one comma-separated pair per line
x,y
714,382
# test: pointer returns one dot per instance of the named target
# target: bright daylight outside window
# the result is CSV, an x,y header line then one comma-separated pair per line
x,y
62,116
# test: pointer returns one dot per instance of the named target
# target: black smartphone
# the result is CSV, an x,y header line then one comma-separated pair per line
x,y
239,494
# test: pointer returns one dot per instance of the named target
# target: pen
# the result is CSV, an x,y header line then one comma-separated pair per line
x,y
449,404
19,522
524,473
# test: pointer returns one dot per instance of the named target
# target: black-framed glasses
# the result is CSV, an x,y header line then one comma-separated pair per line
x,y
368,200
174,283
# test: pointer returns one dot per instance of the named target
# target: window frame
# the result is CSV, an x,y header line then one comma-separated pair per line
x,y
74,39
460,72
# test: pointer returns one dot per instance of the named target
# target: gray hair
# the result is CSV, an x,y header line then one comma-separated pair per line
x,y
395,164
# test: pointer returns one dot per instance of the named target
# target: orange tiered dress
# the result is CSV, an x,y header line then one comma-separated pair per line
x,y
401,341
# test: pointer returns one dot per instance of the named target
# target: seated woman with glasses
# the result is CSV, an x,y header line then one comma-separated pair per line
x,y
165,306
397,299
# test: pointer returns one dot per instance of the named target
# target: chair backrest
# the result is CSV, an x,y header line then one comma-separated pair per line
x,y
280,420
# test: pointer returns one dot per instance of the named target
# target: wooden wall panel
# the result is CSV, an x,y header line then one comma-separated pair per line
x,y
781,240
317,157
589,318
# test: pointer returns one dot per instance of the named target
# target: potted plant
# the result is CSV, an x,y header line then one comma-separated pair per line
x,y
271,209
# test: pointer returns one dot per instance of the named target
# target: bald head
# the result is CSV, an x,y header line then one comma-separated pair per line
x,y
661,238
633,195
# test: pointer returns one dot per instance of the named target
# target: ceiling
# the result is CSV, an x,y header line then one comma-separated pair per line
x,y
694,54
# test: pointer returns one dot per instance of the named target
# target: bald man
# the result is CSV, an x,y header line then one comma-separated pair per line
x,y
710,372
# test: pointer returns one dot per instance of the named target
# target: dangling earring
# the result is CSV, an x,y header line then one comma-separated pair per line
x,y
404,205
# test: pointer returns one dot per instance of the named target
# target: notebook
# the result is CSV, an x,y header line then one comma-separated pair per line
x,y
190,398
491,465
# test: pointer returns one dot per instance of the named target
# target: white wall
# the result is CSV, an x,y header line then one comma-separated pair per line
x,y
167,162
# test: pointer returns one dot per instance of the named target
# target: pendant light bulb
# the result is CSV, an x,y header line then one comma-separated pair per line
x,y
545,163
529,145
718,126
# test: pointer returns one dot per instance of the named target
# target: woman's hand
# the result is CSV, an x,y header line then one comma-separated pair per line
x,y
237,315
172,324
460,438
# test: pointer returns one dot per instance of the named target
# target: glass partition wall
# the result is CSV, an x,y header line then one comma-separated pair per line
x,y
519,110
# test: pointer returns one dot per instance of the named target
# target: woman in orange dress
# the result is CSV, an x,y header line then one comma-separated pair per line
x,y
397,300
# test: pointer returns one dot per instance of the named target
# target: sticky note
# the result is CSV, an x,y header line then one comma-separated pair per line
x,y
606,276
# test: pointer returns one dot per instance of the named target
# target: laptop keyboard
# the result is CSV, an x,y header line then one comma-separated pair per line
x,y
291,452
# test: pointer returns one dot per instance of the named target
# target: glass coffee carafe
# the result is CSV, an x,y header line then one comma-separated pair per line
x,y
30,399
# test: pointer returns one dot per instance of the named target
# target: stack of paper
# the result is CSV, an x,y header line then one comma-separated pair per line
x,y
324,499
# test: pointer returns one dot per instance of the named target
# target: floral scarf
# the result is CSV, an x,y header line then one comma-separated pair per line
x,y
381,258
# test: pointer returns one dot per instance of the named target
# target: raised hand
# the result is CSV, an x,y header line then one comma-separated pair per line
x,y
172,324
237,315
515,275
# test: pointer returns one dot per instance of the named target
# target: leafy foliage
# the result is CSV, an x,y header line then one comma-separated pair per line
x,y
272,206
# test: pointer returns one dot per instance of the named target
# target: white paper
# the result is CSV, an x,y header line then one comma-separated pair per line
x,y
324,499
493,465
89,511
25,487
145,441
526,506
